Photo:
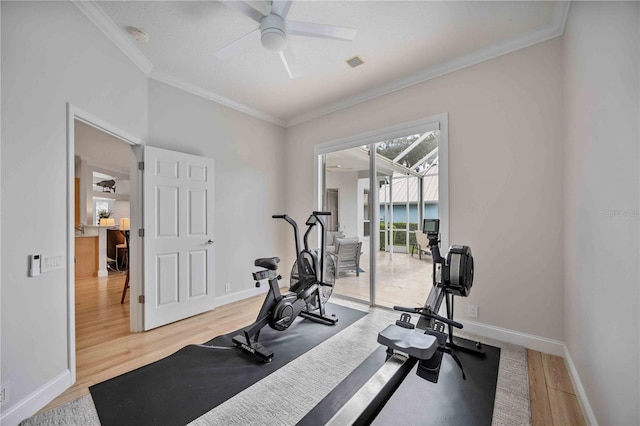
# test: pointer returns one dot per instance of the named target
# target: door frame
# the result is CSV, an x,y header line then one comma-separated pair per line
x,y
378,135
135,312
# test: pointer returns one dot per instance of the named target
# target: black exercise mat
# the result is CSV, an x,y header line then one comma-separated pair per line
x,y
450,402
194,380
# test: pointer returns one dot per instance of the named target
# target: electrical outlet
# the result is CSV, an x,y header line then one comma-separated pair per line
x,y
472,311
227,287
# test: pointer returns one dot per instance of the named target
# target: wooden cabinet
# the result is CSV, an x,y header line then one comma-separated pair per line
x,y
87,257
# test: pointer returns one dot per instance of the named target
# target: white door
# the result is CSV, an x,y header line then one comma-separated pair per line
x,y
179,251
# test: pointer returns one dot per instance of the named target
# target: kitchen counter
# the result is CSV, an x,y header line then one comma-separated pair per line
x,y
91,252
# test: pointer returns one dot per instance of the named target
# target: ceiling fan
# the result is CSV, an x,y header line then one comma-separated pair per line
x,y
274,28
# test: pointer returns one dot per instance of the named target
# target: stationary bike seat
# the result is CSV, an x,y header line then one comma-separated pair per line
x,y
413,342
270,263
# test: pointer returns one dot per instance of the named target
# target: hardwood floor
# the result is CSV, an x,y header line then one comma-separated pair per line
x,y
553,400
105,348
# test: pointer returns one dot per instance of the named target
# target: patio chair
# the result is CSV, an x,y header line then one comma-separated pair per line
x,y
423,244
347,253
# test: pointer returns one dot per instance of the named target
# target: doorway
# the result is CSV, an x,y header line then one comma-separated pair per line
x,y
102,216
97,186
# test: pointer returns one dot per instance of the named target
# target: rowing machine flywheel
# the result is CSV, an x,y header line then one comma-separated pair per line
x,y
460,263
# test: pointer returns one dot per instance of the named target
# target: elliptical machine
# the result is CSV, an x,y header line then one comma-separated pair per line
x,y
309,291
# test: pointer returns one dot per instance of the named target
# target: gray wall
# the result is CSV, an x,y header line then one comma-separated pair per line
x,y
505,176
601,118
51,54
249,156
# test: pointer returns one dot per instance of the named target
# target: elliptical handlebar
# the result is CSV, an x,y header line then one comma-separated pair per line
x,y
311,224
424,312
322,247
295,229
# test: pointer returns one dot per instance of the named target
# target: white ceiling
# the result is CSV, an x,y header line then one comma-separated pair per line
x,y
401,42
102,150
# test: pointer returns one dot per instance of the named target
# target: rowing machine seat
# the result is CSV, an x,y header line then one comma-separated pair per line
x,y
413,342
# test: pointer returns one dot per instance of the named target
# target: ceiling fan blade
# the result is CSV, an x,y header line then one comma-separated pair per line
x,y
255,10
286,65
281,7
310,29
239,45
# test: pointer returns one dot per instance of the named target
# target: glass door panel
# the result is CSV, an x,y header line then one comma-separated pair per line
x,y
403,272
346,191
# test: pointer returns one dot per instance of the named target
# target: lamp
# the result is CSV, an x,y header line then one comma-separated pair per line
x,y
124,224
107,221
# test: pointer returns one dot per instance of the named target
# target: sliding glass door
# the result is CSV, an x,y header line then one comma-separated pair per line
x,y
381,186
346,195
403,271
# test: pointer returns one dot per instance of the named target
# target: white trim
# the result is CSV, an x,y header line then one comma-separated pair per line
x,y
105,127
537,343
379,135
443,179
115,34
241,295
211,96
71,245
579,389
30,405
541,344
561,16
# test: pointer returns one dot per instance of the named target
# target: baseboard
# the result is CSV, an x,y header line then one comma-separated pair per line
x,y
241,295
30,405
541,344
530,341
587,411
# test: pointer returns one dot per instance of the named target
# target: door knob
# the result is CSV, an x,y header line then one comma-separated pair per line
x,y
210,242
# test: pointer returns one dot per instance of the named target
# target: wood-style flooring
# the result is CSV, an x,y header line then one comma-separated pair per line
x,y
105,348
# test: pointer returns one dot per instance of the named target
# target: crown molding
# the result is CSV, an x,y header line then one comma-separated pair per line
x,y
115,34
203,93
118,37
556,29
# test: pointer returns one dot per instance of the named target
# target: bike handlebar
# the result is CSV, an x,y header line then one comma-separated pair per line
x,y
421,311
295,229
322,213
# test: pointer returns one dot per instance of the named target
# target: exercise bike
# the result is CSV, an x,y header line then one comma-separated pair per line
x,y
312,281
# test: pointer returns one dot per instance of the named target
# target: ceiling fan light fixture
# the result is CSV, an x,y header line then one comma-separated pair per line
x,y
273,32
273,39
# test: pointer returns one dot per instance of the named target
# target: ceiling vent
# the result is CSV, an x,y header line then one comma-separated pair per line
x,y
355,61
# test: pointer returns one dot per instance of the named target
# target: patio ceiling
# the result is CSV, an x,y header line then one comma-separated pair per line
x,y
357,159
